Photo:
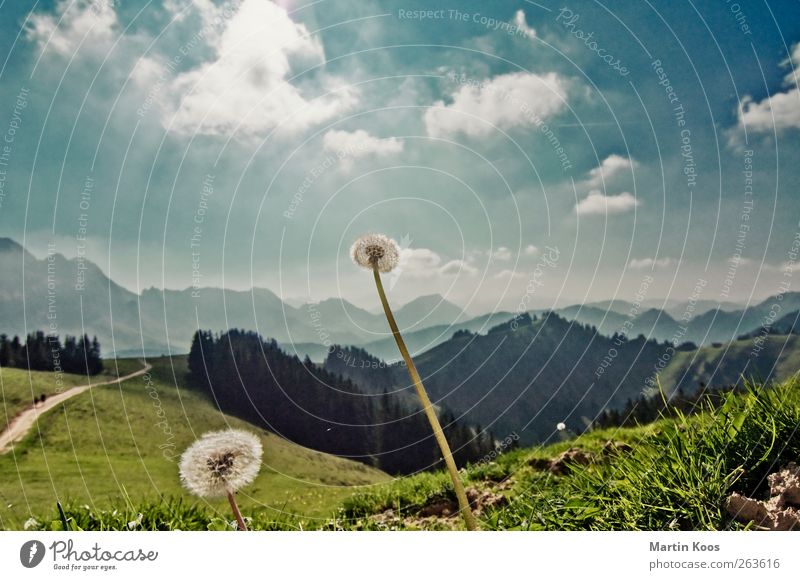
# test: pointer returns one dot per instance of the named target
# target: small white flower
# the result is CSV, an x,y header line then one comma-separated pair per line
x,y
30,523
561,426
135,523
376,249
220,462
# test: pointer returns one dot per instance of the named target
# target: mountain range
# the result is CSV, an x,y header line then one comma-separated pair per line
x,y
525,377
76,297
163,321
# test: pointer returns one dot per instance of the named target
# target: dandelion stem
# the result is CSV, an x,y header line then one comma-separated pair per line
x,y
236,512
430,412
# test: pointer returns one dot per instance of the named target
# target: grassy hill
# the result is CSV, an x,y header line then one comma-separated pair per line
x,y
122,441
772,357
18,388
674,474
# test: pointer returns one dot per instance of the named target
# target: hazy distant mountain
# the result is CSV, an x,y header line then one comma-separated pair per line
x,y
161,321
426,311
674,308
57,295
788,324
703,327
425,339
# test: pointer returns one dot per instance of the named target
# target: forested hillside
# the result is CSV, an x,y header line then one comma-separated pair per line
x,y
255,380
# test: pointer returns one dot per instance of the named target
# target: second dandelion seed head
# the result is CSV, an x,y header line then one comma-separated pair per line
x,y
221,462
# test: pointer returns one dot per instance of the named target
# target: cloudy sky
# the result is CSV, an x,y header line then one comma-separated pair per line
x,y
546,152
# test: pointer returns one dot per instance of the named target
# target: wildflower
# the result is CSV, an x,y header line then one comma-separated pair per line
x,y
220,463
379,253
136,522
376,251
561,426
30,524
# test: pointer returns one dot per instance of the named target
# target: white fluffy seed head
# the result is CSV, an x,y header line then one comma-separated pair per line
x,y
221,462
561,426
376,249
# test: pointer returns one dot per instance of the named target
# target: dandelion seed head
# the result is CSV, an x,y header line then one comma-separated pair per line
x,y
376,249
220,462
561,426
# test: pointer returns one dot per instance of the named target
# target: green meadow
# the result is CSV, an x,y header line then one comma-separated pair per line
x,y
118,445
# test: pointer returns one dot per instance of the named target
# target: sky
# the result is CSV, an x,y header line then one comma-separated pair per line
x,y
520,153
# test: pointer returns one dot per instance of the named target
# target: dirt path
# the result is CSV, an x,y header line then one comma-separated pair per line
x,y
21,424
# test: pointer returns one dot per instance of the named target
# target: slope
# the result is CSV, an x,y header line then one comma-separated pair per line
x,y
123,441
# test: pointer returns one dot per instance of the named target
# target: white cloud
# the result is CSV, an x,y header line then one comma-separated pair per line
x,y
598,204
357,144
650,263
502,253
778,112
419,261
506,101
531,250
610,166
522,24
92,23
506,274
425,263
245,88
454,267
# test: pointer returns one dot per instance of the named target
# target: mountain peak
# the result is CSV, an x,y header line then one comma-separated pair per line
x,y
9,245
431,300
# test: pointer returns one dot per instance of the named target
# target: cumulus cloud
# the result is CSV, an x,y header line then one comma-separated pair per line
x,y
650,263
454,267
531,250
502,253
245,87
354,145
778,112
610,167
598,204
425,263
419,260
505,101
522,24
73,23
508,274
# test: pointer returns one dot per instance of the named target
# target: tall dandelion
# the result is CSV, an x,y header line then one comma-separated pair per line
x,y
220,463
380,254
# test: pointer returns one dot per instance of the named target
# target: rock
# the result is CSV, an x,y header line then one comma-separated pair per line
x,y
745,509
786,484
781,512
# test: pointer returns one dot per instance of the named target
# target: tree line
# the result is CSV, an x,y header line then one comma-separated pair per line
x,y
45,352
255,380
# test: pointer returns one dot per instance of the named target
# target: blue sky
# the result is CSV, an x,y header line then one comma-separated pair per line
x,y
249,142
